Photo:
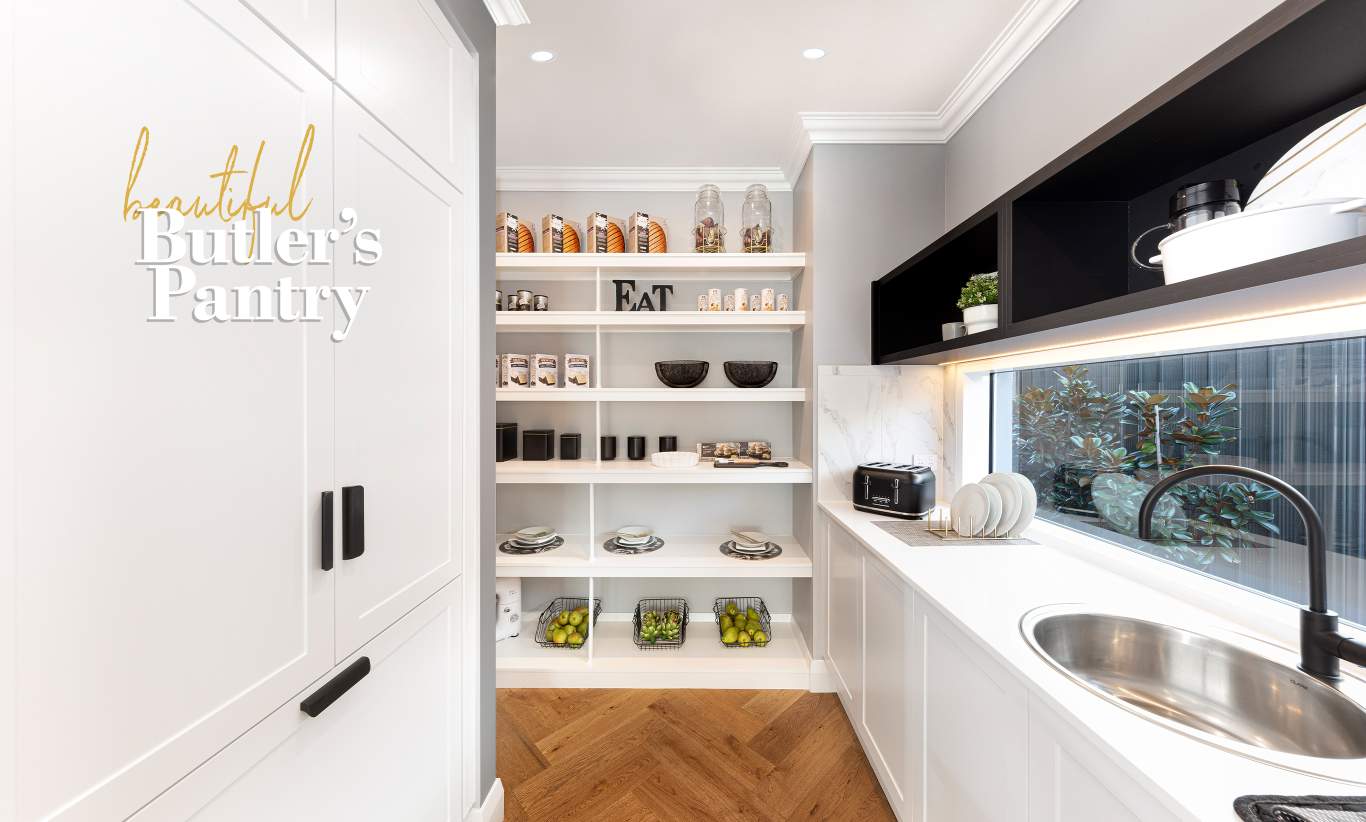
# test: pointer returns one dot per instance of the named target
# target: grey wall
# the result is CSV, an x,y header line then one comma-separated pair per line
x,y
872,206
472,21
1102,58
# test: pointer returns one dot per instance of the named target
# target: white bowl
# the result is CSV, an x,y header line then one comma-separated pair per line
x,y
674,459
1253,236
1330,162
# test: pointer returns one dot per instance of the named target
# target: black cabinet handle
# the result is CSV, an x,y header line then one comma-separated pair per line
x,y
318,701
353,521
327,530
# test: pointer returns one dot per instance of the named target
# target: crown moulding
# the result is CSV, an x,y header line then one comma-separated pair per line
x,y
507,12
637,178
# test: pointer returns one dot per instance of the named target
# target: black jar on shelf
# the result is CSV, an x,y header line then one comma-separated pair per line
x,y
607,447
635,448
570,446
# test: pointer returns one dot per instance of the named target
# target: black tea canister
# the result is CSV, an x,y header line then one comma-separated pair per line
x,y
635,448
538,444
668,443
505,441
570,446
607,448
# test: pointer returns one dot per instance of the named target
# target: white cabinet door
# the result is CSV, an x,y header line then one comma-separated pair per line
x,y
402,60
975,737
400,398
390,748
845,616
1070,781
166,474
311,25
889,687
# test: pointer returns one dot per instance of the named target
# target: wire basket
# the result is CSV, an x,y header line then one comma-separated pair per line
x,y
552,611
662,607
742,606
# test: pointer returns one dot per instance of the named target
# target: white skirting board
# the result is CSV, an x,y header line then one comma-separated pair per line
x,y
491,809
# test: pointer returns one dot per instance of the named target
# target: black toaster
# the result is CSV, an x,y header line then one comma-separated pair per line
x,y
891,488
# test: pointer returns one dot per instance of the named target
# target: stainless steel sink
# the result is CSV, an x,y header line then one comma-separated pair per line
x,y
1238,693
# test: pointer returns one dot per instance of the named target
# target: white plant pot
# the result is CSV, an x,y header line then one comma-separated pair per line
x,y
980,318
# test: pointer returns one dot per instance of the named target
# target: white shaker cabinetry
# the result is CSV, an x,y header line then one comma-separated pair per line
x,y
166,539
953,735
388,748
311,25
404,63
167,474
401,403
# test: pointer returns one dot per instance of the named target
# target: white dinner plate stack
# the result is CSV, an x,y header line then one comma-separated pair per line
x,y
1001,505
532,540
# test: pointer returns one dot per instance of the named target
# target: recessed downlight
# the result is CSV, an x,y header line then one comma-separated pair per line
x,y
542,56
813,54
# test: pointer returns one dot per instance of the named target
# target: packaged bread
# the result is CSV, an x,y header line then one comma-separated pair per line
x,y
514,371
526,239
605,234
545,370
576,371
558,235
645,235
508,233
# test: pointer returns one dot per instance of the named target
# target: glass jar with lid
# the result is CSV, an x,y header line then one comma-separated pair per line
x,y
709,221
756,220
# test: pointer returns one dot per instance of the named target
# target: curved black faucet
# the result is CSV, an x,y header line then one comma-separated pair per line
x,y
1321,646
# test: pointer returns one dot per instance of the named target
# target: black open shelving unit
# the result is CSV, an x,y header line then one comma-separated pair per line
x,y
1061,238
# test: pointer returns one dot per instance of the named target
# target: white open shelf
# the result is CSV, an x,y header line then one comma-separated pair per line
x,y
555,472
650,394
615,661
529,321
683,556
715,267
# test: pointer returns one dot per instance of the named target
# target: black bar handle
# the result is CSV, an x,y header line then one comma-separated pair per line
x,y
327,530
318,701
353,521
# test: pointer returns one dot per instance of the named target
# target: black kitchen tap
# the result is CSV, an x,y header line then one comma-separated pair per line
x,y
1321,646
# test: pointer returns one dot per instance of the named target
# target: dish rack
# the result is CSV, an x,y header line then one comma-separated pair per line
x,y
552,610
941,525
742,604
663,606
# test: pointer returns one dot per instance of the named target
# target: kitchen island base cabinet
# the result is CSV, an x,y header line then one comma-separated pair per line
x,y
845,573
389,747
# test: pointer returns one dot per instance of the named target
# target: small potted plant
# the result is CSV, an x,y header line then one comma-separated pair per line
x,y
978,302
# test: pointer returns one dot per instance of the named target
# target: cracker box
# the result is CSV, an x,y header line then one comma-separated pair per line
x,y
545,370
577,371
514,371
755,449
506,232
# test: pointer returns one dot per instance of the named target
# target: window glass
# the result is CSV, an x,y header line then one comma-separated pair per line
x,y
1094,437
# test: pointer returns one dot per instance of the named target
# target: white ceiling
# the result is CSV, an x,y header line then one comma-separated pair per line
x,y
648,83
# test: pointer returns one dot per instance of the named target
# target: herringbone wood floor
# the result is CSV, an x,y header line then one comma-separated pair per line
x,y
681,756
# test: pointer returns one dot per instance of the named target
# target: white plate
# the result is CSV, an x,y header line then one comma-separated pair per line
x,y
1029,503
748,549
750,537
969,509
534,533
1009,490
995,507
628,534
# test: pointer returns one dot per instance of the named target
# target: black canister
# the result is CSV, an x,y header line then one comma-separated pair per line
x,y
635,448
505,441
538,444
607,448
668,443
570,446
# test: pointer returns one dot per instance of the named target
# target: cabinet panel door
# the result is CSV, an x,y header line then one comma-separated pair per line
x,y
845,616
888,678
976,731
311,25
402,60
1070,781
388,748
167,475
399,398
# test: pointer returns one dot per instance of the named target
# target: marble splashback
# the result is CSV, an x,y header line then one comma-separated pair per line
x,y
876,412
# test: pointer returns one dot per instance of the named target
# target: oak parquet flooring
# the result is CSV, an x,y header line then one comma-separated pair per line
x,y
681,756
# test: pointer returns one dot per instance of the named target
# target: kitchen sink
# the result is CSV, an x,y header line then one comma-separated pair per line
x,y
1235,692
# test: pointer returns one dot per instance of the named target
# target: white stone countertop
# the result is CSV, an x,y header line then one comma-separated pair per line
x,y
985,589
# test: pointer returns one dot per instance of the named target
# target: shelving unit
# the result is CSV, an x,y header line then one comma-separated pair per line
x,y
625,397
1061,239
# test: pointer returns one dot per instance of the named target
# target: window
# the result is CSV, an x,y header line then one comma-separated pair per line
x,y
1093,437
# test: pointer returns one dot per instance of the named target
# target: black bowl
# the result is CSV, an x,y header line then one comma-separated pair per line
x,y
682,373
750,373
